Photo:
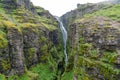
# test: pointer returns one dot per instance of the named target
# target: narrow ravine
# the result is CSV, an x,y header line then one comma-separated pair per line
x,y
64,33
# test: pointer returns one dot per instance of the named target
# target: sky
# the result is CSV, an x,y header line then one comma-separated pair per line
x,y
60,7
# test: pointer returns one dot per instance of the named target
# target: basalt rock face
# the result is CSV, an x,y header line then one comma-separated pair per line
x,y
81,10
12,4
93,43
101,31
101,37
16,49
28,36
30,43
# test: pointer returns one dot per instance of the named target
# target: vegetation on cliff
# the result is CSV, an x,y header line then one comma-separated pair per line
x,y
30,42
31,45
93,44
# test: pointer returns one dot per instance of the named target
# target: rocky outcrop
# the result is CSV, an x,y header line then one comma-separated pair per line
x,y
104,32
81,10
31,44
44,13
93,42
16,55
102,35
12,4
27,37
53,35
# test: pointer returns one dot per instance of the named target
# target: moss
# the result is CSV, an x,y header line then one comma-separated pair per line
x,y
83,61
104,68
44,47
10,25
3,40
107,70
110,37
89,57
3,34
2,17
45,53
2,27
5,64
80,73
42,39
84,48
20,15
31,52
94,54
108,27
48,23
109,57
49,26
21,19
28,25
40,9
18,18
31,26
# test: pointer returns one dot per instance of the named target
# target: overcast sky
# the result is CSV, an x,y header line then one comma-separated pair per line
x,y
60,7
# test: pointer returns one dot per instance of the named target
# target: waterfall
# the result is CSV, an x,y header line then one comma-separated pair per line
x,y
64,33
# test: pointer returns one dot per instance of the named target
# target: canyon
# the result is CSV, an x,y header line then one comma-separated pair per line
x,y
83,44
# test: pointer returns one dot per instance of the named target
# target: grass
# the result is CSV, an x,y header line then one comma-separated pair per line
x,y
2,77
26,76
67,76
40,9
45,71
49,26
112,12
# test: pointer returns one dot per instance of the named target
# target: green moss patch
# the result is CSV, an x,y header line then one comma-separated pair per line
x,y
3,40
112,12
90,59
5,64
31,52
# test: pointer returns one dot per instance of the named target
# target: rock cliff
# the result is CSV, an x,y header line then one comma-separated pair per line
x,y
93,43
29,36
31,42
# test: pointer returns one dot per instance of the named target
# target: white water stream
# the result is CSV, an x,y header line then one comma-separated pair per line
x,y
64,33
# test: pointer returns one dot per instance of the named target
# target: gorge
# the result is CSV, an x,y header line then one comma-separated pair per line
x,y
83,44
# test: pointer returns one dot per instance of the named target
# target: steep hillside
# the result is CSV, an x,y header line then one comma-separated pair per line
x,y
82,9
30,42
93,43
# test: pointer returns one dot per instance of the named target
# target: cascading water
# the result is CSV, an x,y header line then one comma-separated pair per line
x,y
64,33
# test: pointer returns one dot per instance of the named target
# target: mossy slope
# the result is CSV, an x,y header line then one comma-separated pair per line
x,y
29,39
93,45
